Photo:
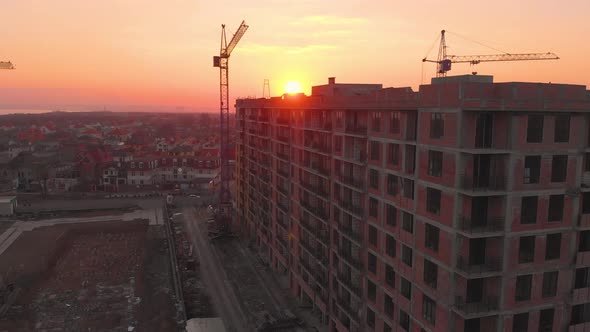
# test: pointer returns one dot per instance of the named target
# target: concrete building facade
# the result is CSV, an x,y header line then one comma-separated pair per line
x,y
464,206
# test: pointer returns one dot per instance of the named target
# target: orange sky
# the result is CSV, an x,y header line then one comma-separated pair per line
x,y
153,52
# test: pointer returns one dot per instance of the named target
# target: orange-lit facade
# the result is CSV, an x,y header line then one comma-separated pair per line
x,y
464,206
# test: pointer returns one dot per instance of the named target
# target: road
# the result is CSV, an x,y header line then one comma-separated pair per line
x,y
214,276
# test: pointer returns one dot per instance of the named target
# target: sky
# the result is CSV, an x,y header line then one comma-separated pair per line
x,y
152,53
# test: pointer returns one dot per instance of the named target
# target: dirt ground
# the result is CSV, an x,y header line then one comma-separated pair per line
x,y
103,276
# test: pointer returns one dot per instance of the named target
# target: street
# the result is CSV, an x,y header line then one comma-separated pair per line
x,y
213,274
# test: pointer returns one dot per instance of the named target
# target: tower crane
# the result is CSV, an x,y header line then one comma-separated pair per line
x,y
444,61
224,215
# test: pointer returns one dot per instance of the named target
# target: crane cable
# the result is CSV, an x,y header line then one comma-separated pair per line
x,y
476,42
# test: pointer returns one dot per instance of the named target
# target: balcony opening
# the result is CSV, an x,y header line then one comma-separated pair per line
x,y
484,130
479,211
474,291
472,325
559,168
477,251
534,133
532,169
546,320
481,170
520,322
526,250
582,278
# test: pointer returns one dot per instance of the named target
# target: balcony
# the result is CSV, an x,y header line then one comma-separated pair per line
x,y
351,233
282,155
358,156
283,172
353,181
316,210
352,261
283,120
355,129
316,189
283,206
318,167
491,183
283,138
467,225
352,208
486,305
490,265
347,281
346,305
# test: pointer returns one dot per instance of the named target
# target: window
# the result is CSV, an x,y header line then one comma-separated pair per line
x,y
558,168
372,264
428,309
431,235
433,200
370,318
408,187
406,288
372,235
393,154
373,207
532,169
389,276
546,320
553,246
528,210
555,208
404,320
392,184
375,147
584,241
391,215
394,123
408,222
376,121
407,255
374,179
580,314
523,288
582,278
437,125
550,283
338,143
430,273
526,250
586,202
388,306
371,291
435,159
534,132
520,322
390,246
562,128
386,327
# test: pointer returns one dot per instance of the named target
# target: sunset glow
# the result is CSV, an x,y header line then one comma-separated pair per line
x,y
111,53
293,87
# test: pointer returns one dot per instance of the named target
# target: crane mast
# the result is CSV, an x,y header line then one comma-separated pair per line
x,y
445,61
224,212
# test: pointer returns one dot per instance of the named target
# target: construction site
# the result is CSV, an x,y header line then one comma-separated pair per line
x,y
105,270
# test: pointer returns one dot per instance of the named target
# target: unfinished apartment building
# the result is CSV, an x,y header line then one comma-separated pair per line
x,y
463,206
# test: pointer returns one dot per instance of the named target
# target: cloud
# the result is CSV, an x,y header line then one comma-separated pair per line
x,y
261,48
329,20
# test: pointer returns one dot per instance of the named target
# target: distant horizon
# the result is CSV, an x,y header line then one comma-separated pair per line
x,y
123,109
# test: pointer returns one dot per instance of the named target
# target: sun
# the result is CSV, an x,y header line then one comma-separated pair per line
x,y
293,87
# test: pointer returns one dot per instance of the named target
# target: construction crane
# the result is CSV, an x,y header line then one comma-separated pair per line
x,y
444,60
6,65
224,213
